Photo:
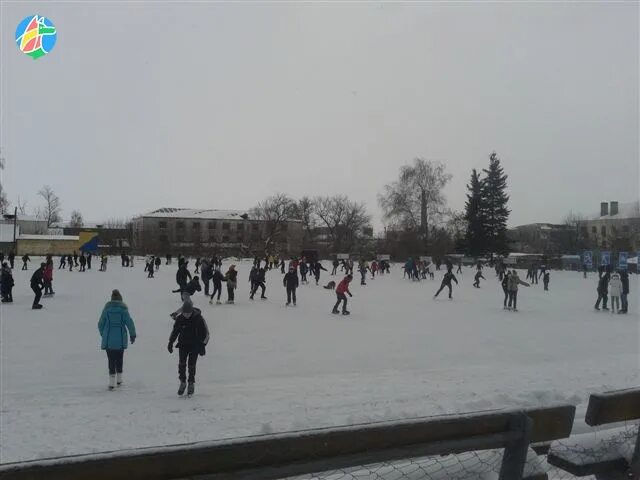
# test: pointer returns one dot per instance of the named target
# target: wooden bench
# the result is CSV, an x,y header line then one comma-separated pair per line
x,y
288,454
605,453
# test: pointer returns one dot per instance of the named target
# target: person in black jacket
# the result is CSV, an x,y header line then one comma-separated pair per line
x,y
477,278
317,267
37,284
89,257
259,281
217,280
505,288
291,282
83,262
182,276
192,333
12,259
25,259
63,262
70,262
624,277
6,284
603,291
75,258
446,282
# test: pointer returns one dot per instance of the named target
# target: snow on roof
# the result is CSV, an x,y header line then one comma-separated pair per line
x,y
49,237
515,254
206,214
22,218
625,210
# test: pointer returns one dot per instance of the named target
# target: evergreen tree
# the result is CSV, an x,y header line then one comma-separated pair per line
x,y
494,200
475,235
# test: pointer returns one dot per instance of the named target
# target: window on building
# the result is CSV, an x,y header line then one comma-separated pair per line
x,y
162,224
240,227
180,225
255,227
603,231
226,226
225,238
239,239
180,238
212,225
625,228
594,230
196,225
585,232
163,238
212,237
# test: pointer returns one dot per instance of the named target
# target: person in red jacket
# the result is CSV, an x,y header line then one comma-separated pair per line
x,y
341,289
47,277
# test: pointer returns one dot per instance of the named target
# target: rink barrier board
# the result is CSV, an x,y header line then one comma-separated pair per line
x,y
297,453
604,409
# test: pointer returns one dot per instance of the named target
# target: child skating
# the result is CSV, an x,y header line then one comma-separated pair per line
x,y
192,333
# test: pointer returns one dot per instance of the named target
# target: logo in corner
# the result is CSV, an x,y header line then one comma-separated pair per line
x,y
36,36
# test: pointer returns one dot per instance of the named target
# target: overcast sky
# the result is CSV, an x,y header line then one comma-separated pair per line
x,y
218,105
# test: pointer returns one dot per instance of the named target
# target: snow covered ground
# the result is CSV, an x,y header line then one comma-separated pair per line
x,y
271,368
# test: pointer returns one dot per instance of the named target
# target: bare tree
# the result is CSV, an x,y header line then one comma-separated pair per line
x,y
4,202
345,221
303,210
116,223
22,206
76,219
274,212
415,200
52,206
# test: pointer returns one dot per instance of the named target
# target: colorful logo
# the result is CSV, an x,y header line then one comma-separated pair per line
x,y
36,36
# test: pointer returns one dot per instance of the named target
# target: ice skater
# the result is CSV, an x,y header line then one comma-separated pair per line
x,y
505,288
363,269
191,331
303,271
291,283
545,281
624,277
37,284
6,283
341,290
231,277
63,262
477,278
446,282
116,327
47,277
317,268
615,292
83,263
514,282
182,277
259,281
25,259
217,280
335,264
603,290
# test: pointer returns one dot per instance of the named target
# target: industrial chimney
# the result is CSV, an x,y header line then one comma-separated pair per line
x,y
604,209
614,208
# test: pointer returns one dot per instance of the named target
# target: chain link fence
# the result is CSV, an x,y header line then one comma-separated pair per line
x,y
603,445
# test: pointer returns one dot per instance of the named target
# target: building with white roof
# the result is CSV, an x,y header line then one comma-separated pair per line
x,y
208,231
617,227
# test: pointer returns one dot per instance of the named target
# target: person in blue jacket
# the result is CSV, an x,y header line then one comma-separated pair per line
x,y
115,327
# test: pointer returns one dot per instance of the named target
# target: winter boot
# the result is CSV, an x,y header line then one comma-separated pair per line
x,y
112,382
191,388
346,312
36,307
119,379
181,388
263,298
335,311
218,302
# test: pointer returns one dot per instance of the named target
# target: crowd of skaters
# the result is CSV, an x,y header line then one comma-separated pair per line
x,y
190,330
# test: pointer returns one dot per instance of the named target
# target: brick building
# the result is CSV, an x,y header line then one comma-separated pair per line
x,y
227,232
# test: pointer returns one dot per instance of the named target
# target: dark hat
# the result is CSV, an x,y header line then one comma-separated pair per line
x,y
116,296
187,306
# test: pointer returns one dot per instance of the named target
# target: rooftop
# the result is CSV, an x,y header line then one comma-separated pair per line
x,y
625,210
49,237
207,214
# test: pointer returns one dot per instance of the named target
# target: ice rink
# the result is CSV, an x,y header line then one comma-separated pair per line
x,y
271,368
